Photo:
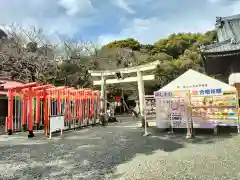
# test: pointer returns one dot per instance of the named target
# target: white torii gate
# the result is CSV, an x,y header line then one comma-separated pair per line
x,y
139,78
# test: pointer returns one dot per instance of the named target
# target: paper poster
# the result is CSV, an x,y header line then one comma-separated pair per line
x,y
150,107
173,109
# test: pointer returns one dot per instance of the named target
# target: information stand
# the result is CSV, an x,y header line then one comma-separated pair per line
x,y
214,107
209,102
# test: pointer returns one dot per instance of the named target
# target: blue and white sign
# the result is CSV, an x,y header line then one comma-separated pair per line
x,y
207,92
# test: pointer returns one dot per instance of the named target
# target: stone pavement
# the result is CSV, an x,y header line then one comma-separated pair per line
x,y
119,151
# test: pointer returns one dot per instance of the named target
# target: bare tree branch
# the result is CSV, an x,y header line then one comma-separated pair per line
x,y
26,56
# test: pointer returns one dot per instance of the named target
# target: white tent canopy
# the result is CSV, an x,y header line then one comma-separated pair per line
x,y
234,78
195,80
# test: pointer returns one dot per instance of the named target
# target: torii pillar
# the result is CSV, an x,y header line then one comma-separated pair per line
x,y
103,95
141,93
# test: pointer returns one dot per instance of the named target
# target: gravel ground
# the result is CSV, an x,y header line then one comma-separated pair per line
x,y
119,151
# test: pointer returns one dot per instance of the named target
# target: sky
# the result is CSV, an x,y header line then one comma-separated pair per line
x,y
102,21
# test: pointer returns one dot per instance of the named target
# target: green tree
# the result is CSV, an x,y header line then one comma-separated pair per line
x,y
127,43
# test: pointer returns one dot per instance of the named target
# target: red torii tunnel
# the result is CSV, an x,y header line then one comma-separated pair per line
x,y
30,107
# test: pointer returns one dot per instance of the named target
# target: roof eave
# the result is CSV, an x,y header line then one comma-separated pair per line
x,y
214,45
221,53
233,17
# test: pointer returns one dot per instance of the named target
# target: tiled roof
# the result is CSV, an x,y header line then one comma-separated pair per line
x,y
228,28
225,46
228,32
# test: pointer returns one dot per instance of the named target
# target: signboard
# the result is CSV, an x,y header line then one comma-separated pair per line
x,y
163,94
56,124
150,106
170,94
171,108
207,92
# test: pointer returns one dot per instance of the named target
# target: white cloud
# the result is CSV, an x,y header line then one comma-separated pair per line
x,y
74,7
235,8
124,5
152,29
66,17
222,1
104,39
149,30
214,1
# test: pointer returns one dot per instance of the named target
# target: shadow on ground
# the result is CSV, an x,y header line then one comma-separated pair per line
x,y
88,154
201,136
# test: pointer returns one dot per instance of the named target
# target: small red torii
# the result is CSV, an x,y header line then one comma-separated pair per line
x,y
11,92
